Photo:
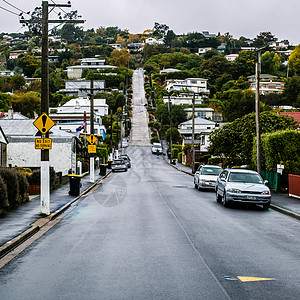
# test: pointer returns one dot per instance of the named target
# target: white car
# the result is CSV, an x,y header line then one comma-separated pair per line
x,y
206,176
156,148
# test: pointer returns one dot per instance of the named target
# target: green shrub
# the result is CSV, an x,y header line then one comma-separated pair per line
x,y
175,152
3,195
179,157
10,178
35,178
155,139
204,158
216,161
102,152
23,186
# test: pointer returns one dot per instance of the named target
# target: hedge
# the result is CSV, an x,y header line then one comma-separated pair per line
x,y
3,195
280,147
10,178
179,157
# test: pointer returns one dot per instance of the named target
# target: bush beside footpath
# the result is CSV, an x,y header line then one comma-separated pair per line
x,y
13,187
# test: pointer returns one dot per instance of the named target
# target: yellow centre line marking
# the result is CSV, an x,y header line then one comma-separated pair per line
x,y
249,279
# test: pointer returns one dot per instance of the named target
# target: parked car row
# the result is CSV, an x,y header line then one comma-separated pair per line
x,y
233,185
123,163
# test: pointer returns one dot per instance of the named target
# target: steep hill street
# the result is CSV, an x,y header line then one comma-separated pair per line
x,y
148,234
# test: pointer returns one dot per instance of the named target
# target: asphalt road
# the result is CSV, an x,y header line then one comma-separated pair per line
x,y
148,234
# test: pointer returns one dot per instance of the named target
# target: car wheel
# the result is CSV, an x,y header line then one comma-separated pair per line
x,y
266,206
196,185
224,201
218,198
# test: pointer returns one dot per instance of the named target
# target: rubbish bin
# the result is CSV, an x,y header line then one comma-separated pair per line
x,y
109,164
103,169
75,185
174,161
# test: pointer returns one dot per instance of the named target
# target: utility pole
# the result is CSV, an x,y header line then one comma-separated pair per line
x,y
45,165
258,147
193,135
171,146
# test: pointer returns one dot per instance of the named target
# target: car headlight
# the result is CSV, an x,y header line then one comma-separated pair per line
x,y
266,193
235,191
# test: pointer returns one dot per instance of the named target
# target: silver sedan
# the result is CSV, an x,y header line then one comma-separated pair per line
x,y
240,185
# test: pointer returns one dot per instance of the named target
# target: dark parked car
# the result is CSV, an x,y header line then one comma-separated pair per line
x,y
127,160
118,165
240,185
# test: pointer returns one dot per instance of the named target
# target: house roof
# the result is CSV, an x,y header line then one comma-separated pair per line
x,y
3,138
25,128
84,102
198,121
295,115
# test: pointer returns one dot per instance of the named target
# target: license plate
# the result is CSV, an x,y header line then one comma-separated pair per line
x,y
251,197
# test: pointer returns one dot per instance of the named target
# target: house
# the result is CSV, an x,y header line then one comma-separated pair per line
x,y
231,57
94,64
75,109
183,99
295,115
72,87
21,152
7,73
209,35
202,129
194,85
282,44
201,51
205,113
14,54
3,149
153,41
267,84
170,70
78,127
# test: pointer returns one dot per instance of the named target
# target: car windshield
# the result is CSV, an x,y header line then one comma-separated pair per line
x,y
245,177
211,171
119,161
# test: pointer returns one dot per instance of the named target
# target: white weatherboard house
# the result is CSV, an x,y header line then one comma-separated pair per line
x,y
21,152
74,110
93,64
73,87
202,129
195,85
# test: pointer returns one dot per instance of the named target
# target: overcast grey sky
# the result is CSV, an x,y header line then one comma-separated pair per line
x,y
239,17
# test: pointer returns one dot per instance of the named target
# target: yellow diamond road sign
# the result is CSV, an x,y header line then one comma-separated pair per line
x,y
43,123
92,139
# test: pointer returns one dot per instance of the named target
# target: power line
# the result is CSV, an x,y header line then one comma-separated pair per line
x,y
12,12
16,7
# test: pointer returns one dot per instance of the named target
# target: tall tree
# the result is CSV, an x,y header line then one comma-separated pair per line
x,y
270,62
294,60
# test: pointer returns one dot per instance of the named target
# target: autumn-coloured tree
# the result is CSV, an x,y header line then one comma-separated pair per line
x,y
294,60
120,58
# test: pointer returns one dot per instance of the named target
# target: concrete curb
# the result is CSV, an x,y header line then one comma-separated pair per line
x,y
285,211
37,225
273,206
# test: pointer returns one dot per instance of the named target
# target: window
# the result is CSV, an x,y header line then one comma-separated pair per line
x,y
201,114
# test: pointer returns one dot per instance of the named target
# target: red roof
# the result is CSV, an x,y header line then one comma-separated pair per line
x,y
295,115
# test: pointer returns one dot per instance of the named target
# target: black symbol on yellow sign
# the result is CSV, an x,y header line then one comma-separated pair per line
x,y
92,139
43,123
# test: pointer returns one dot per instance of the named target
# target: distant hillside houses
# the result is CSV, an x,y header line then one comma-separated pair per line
x,y
194,85
95,64
267,85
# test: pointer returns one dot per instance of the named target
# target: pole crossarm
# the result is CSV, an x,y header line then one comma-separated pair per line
x,y
52,21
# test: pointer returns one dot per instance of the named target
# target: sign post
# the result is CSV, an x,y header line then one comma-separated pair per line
x,y
92,149
43,123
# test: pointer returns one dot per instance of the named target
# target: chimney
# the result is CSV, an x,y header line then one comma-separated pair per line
x,y
10,113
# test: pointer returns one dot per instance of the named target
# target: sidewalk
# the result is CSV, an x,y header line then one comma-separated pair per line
x,y
20,219
280,202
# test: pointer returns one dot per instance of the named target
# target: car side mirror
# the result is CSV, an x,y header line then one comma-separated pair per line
x,y
266,182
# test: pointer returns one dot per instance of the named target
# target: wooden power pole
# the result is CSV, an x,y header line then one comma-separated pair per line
x,y
45,167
